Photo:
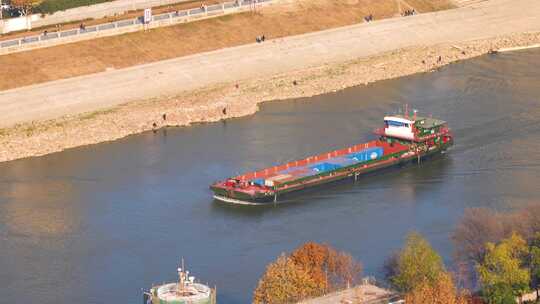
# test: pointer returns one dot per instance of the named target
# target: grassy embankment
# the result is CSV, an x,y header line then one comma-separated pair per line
x,y
289,18
116,17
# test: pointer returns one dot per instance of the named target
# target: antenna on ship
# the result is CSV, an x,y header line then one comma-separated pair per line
x,y
414,117
185,290
407,110
181,277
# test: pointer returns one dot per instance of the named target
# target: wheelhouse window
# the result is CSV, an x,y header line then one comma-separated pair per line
x,y
393,123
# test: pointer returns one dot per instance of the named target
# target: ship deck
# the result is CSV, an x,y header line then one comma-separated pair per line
x,y
254,182
334,159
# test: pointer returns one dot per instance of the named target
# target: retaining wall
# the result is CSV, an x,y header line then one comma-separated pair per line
x,y
95,11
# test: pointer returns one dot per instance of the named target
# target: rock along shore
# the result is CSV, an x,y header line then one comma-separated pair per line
x,y
229,100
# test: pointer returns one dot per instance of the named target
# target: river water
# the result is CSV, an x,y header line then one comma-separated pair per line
x,y
98,223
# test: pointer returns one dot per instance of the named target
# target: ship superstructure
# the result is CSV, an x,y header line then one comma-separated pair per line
x,y
185,291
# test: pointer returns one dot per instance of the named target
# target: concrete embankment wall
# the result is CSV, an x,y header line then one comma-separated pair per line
x,y
16,24
100,10
95,11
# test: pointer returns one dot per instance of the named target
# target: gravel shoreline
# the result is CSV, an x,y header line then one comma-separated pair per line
x,y
230,100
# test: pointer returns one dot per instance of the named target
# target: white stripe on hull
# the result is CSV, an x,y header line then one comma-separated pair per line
x,y
235,201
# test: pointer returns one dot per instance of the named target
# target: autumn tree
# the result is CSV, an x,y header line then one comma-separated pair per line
x,y
502,272
416,263
440,291
284,282
329,268
311,270
478,227
24,6
527,221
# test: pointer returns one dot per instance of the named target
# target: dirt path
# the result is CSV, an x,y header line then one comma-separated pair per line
x,y
171,77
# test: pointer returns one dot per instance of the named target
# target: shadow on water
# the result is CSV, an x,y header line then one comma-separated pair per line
x,y
424,177
101,222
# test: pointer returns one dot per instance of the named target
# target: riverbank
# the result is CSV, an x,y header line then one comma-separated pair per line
x,y
283,18
236,99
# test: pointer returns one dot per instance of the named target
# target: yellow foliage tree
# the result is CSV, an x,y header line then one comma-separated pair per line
x,y
440,291
284,282
503,272
416,263
313,258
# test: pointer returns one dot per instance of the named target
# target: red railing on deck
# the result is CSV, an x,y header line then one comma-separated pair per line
x,y
387,149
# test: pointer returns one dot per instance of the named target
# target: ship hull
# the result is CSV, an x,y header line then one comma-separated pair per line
x,y
331,177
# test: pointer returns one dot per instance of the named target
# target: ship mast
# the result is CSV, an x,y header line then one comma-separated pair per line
x,y
181,278
407,110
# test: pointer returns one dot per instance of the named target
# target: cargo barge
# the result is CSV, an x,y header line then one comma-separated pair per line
x,y
403,139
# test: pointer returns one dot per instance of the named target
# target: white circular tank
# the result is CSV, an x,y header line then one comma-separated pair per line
x,y
173,293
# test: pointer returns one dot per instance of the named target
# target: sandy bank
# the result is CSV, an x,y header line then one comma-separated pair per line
x,y
228,100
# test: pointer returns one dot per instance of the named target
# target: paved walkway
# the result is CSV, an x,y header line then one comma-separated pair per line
x,y
97,91
362,294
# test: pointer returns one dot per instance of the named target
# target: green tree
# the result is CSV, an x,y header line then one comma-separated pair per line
x,y
534,262
499,293
284,282
503,271
415,264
